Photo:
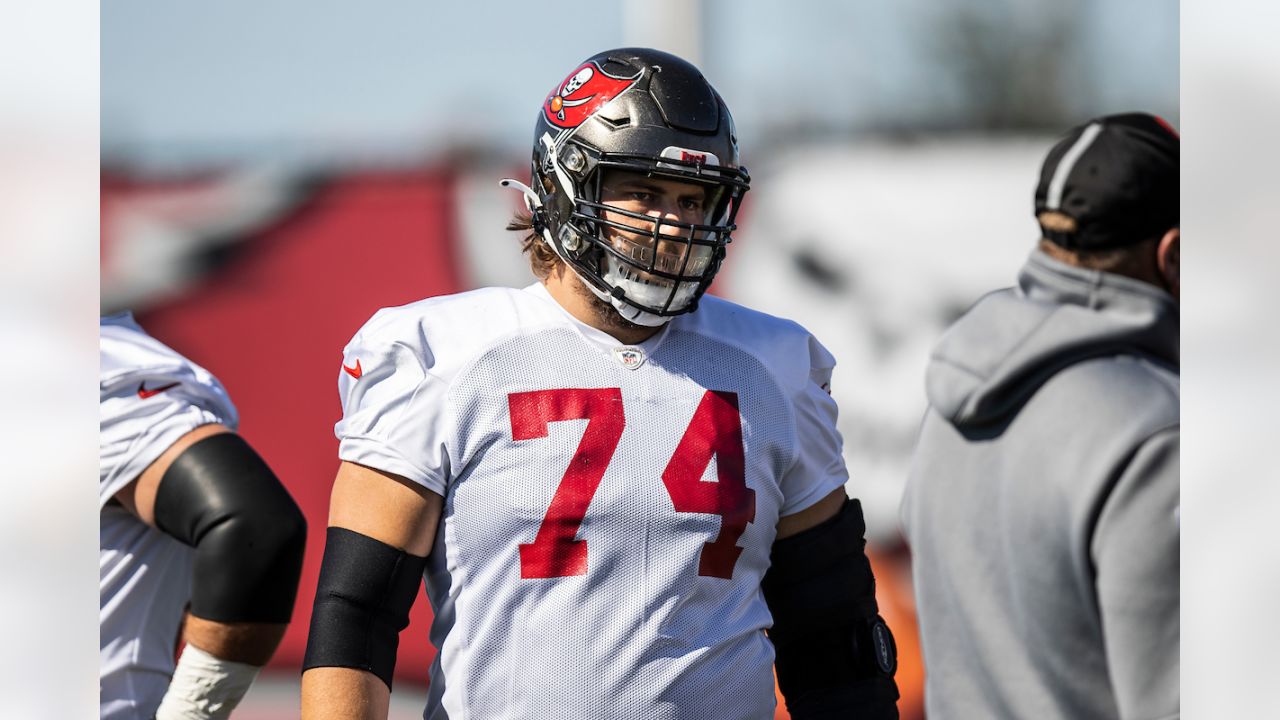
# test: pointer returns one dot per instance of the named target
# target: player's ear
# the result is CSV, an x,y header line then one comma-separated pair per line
x,y
1167,260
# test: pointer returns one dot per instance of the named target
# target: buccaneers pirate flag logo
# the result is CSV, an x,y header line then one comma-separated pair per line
x,y
582,93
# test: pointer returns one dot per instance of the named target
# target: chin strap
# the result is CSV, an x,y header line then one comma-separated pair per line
x,y
636,315
531,199
534,205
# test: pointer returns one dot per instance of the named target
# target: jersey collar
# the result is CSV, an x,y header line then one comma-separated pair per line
x,y
595,337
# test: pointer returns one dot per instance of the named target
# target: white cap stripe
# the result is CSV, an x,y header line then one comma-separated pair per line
x,y
1068,161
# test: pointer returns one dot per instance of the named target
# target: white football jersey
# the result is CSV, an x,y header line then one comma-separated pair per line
x,y
609,510
150,397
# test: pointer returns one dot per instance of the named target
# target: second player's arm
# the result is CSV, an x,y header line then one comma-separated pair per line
x,y
400,515
211,491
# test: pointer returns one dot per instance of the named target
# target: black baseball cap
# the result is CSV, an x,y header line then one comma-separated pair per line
x,y
1116,176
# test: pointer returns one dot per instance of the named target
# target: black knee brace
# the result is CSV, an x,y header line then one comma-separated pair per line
x,y
219,497
363,598
834,652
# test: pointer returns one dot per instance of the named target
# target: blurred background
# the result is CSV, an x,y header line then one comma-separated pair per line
x,y
273,173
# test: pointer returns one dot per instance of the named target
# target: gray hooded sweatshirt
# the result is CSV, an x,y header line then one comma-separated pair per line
x,y
1042,503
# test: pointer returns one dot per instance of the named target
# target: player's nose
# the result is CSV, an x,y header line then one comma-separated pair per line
x,y
668,211
665,208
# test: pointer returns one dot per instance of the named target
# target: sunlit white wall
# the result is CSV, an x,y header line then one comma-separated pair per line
x,y
48,300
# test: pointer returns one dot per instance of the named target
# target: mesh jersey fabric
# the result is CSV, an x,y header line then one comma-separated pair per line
x,y
144,578
579,569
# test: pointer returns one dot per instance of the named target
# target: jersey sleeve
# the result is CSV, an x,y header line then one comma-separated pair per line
x,y
819,465
144,410
393,409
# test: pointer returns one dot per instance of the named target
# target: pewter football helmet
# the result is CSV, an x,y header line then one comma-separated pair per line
x,y
651,113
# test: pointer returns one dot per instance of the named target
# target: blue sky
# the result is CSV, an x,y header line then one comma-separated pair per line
x,y
186,82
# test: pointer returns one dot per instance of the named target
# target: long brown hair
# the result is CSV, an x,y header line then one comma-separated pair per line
x,y
542,259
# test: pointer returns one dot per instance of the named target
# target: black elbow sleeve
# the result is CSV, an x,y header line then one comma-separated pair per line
x,y
834,652
363,598
220,497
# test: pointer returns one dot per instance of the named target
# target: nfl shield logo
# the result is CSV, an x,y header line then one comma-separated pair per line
x,y
630,357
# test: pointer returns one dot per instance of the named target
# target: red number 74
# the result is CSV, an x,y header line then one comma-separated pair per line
x,y
715,431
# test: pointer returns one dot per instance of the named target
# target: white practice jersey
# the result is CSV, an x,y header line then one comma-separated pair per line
x,y
609,510
150,397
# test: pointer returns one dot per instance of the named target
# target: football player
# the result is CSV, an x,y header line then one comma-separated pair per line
x,y
627,497
190,517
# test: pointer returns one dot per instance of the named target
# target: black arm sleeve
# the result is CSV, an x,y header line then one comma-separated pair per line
x,y
835,655
363,598
219,497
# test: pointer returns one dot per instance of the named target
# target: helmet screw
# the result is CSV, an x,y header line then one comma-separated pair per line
x,y
570,240
574,159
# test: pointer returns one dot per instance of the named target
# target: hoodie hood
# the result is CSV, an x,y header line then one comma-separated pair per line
x,y
1011,341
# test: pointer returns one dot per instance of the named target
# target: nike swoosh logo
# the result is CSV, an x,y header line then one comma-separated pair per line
x,y
144,393
354,372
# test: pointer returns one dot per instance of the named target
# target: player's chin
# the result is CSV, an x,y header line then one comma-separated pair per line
x,y
612,317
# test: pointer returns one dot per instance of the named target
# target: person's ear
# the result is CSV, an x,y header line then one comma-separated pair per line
x,y
1167,256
